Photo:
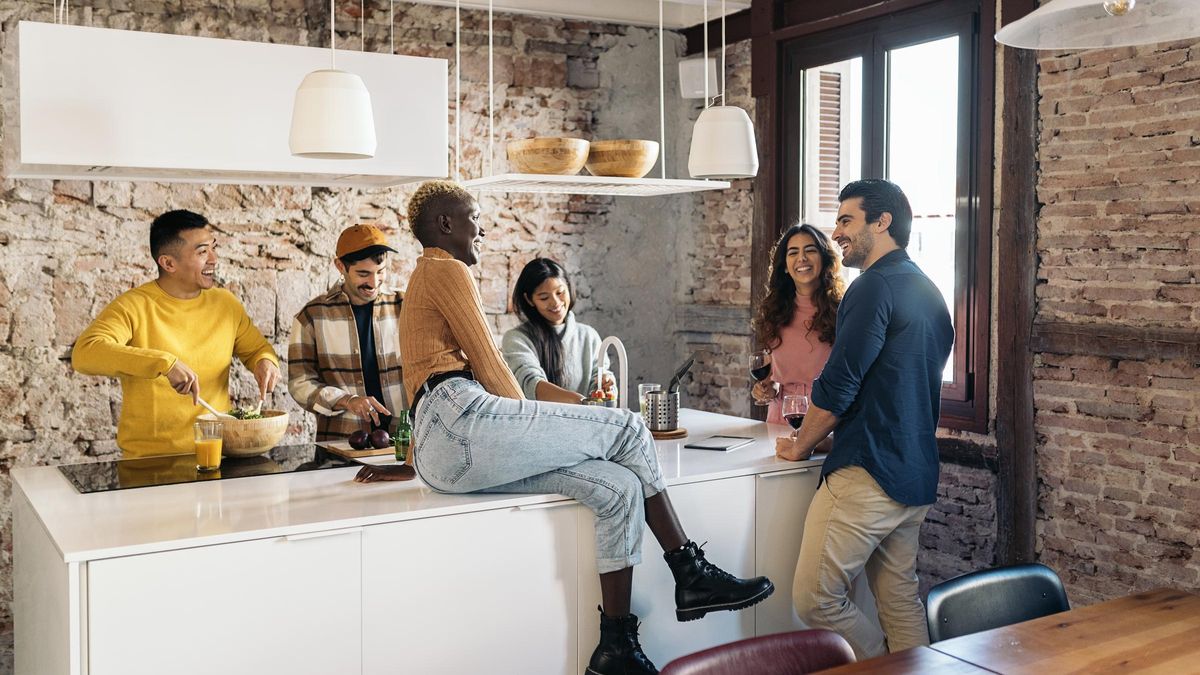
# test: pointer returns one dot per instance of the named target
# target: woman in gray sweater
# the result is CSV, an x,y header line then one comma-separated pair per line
x,y
552,355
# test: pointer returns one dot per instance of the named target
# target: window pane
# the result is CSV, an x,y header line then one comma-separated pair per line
x,y
832,133
922,154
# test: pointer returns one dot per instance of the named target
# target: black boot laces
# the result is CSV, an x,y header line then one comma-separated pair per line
x,y
637,653
710,569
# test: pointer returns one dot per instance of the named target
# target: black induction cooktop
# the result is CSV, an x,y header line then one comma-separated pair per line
x,y
171,469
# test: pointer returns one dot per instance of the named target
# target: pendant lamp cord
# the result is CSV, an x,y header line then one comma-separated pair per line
x,y
457,86
362,25
392,25
332,48
491,94
706,101
662,105
724,56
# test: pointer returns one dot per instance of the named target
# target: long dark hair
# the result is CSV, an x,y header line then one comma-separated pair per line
x,y
547,343
779,306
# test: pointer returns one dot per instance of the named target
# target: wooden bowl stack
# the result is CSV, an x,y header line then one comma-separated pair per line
x,y
247,438
622,158
561,156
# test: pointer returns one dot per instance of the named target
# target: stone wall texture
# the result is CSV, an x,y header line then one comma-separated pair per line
x,y
69,247
1119,438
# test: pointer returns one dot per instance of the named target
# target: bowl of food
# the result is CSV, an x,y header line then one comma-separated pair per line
x,y
624,158
544,154
252,435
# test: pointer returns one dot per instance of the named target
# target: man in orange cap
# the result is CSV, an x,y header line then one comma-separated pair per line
x,y
344,354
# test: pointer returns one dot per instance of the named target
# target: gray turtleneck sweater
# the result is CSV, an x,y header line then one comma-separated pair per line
x,y
580,344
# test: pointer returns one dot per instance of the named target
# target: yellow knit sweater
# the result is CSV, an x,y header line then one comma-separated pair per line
x,y
140,336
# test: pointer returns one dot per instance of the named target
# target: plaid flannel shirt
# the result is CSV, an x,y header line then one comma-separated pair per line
x,y
324,362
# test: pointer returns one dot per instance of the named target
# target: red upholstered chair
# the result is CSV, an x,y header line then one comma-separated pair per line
x,y
796,653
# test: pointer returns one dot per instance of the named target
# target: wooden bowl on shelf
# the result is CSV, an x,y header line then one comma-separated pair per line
x,y
544,154
622,158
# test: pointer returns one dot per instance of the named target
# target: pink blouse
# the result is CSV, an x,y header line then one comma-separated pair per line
x,y
799,357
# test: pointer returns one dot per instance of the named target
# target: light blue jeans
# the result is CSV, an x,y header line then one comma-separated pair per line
x,y
467,440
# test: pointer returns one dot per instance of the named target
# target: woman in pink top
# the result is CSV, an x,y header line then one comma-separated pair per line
x,y
797,317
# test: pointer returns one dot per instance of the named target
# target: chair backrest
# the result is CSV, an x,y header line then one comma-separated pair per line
x,y
795,653
993,598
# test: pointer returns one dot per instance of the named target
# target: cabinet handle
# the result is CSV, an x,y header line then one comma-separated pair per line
x,y
778,474
324,533
545,505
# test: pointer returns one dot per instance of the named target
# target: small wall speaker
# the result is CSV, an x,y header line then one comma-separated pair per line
x,y
691,77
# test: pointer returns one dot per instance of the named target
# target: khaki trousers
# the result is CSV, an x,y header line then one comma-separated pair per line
x,y
852,527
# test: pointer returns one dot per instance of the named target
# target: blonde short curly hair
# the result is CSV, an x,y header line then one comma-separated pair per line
x,y
427,194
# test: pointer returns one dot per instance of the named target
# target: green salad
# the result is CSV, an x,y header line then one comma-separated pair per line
x,y
245,414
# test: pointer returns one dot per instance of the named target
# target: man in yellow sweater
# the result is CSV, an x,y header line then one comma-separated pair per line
x,y
178,326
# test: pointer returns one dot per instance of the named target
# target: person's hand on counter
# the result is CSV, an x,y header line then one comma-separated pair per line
x,y
813,435
266,374
184,380
372,474
787,447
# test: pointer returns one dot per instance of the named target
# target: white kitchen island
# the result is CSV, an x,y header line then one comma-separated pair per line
x,y
312,573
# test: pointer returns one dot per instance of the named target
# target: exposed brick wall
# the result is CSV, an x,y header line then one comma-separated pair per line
x,y
959,534
1118,439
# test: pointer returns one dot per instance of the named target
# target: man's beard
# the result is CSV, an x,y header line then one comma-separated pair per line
x,y
859,249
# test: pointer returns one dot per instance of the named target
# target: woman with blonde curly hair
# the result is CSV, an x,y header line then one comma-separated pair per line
x,y
796,319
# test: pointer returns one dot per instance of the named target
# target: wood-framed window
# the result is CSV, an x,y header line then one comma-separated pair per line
x,y
905,96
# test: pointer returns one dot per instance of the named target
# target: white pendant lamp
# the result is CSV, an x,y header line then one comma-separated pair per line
x,y
723,143
1097,24
332,116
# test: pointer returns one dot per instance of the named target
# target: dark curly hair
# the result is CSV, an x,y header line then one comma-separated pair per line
x,y
779,306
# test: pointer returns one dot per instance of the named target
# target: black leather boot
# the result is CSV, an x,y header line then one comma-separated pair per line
x,y
702,587
619,652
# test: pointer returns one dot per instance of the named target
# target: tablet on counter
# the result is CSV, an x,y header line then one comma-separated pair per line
x,y
722,443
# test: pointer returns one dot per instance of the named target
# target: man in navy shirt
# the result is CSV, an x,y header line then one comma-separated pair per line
x,y
880,393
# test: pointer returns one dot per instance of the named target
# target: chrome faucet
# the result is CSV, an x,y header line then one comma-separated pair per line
x,y
623,359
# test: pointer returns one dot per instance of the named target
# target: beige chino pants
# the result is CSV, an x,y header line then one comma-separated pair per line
x,y
854,526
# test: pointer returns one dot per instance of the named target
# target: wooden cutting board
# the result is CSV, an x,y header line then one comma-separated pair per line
x,y
343,449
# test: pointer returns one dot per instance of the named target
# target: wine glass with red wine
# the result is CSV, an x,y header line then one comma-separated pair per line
x,y
795,407
760,369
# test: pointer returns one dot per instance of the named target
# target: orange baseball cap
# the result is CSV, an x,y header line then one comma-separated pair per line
x,y
366,240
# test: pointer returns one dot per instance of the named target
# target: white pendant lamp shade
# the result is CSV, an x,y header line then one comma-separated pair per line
x,y
1097,24
332,117
723,144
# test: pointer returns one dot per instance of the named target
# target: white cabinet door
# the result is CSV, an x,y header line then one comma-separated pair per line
x,y
719,512
781,505
267,606
488,592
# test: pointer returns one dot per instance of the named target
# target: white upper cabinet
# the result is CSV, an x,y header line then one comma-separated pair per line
x,y
98,103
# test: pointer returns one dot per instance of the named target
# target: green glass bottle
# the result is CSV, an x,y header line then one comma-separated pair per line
x,y
403,437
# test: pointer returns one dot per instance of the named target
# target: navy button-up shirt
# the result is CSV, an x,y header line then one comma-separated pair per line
x,y
884,378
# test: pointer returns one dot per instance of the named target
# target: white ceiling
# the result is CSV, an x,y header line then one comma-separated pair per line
x,y
676,13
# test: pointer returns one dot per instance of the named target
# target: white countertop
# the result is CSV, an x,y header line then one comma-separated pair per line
x,y
146,520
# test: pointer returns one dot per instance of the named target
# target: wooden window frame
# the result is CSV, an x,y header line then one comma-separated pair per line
x,y
775,27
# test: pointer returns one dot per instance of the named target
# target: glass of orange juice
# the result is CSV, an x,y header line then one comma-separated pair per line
x,y
208,446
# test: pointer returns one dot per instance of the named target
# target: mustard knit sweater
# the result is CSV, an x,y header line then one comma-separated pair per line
x,y
140,336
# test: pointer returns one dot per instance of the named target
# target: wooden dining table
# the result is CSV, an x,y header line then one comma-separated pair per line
x,y
1151,632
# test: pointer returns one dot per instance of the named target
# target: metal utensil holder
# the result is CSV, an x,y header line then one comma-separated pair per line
x,y
662,410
